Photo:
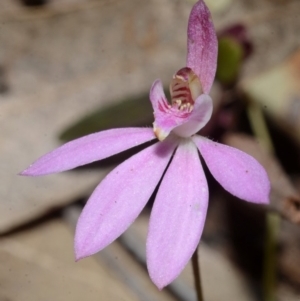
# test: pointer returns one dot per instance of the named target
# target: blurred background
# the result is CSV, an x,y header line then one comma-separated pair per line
x,y
72,67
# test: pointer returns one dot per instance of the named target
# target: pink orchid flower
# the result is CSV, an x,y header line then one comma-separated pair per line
x,y
178,215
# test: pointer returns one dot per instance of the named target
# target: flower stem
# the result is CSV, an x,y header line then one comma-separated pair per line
x,y
270,266
197,276
261,132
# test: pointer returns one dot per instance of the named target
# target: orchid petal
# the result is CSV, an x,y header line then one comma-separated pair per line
x,y
178,216
239,173
202,45
199,117
168,118
165,119
120,197
89,149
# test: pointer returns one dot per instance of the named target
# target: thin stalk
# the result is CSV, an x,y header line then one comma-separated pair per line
x,y
270,266
259,126
197,275
269,283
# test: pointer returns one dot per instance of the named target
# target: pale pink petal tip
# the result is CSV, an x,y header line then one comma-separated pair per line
x,y
24,172
202,45
78,255
239,173
119,198
88,149
178,216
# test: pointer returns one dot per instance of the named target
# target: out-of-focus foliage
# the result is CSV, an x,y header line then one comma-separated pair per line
x,y
229,60
135,111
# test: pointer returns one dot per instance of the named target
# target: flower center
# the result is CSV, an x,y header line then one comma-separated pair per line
x,y
185,87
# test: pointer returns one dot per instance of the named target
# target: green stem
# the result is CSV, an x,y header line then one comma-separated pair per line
x,y
259,126
197,276
261,132
270,266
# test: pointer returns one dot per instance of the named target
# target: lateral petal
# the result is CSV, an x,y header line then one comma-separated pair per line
x,y
238,173
202,45
120,197
178,216
166,117
88,149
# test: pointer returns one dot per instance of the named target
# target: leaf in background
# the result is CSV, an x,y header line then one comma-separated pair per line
x,y
234,47
229,60
127,113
